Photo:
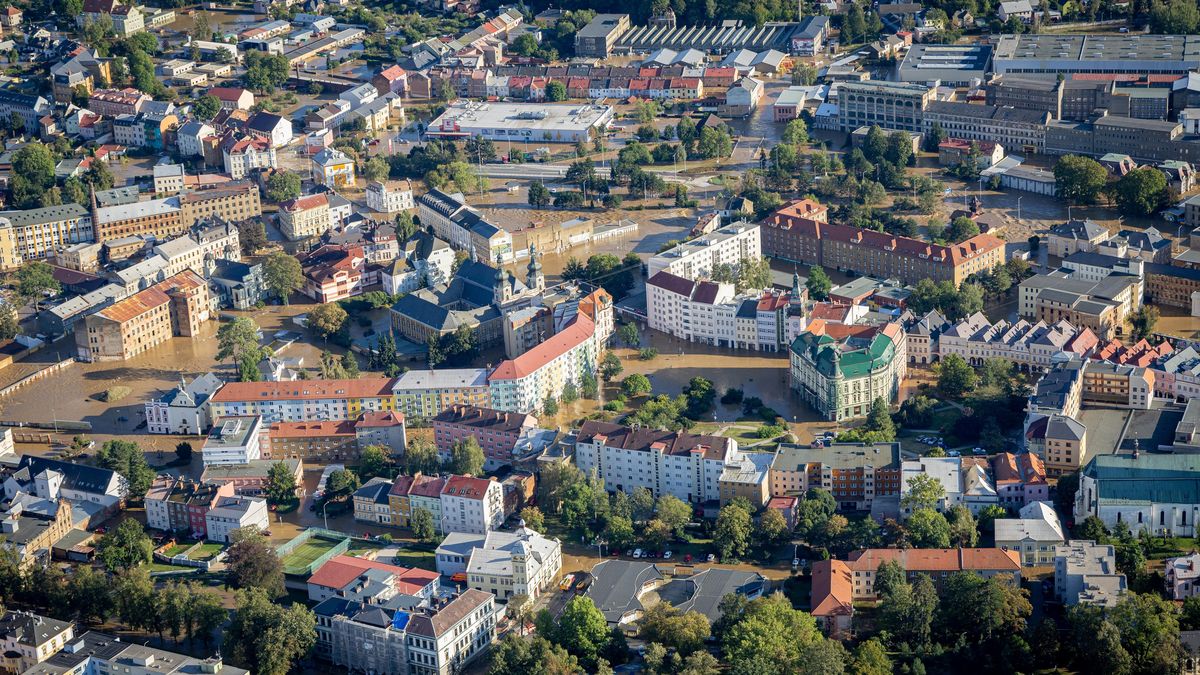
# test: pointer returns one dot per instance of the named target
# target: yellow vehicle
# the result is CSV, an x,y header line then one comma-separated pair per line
x,y
567,582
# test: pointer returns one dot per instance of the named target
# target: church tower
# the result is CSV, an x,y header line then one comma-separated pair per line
x,y
535,279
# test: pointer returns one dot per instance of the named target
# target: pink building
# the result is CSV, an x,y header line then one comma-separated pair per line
x,y
1020,479
498,432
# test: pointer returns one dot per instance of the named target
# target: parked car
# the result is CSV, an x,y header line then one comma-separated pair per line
x,y
461,577
712,558
666,555
567,581
637,552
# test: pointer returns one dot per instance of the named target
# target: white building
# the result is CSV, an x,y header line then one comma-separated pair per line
x,y
463,227
473,505
1150,492
235,513
1035,345
190,138
503,563
665,462
712,313
533,122
424,261
276,130
1183,575
1035,536
524,384
307,401
29,639
183,410
233,440
1086,574
945,470
390,196
695,259
250,153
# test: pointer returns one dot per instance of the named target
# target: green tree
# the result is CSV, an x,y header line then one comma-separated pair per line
x,y
283,186
556,91
281,484
683,632
795,133
282,275
376,169
9,325
265,637
539,195
672,511
342,483
252,564
879,421
923,492
327,319
635,385
35,281
610,366
732,534
533,518
239,337
126,546
1079,179
421,456
629,334
207,107
772,528
961,229
466,457
870,658
928,529
252,235
127,459
518,655
422,525
373,461
1142,192
1144,321
766,635
955,377
963,531
1174,17
582,630
818,284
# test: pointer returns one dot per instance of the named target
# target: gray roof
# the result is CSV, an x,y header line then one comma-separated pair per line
x,y
703,591
1079,229
616,585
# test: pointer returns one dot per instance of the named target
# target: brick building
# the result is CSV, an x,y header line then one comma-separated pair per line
x,y
498,432
176,306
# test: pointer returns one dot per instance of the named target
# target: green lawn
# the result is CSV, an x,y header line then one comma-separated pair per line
x,y
945,418
176,549
412,557
303,555
206,551
1170,547
161,567
360,546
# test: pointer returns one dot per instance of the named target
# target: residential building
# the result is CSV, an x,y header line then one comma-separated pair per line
x,y
94,652
183,410
247,154
232,98
424,261
190,136
176,504
743,98
93,493
1119,385
234,513
333,168
117,102
275,129
685,465
1075,236
29,639
1182,576
409,493
697,258
1059,391
894,106
505,564
390,196
865,252
832,597
370,581
308,400
712,313
1035,535
32,524
525,383
233,440
1031,346
1085,573
1150,492
304,217
500,434
1019,479
146,319
371,502
1059,441
947,471
472,505
937,563
840,370
1101,307
251,479
326,442
333,272
36,234
854,473
237,285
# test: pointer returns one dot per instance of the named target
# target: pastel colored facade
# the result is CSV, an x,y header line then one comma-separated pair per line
x,y
304,217
305,400
180,505
1183,577
713,313
233,98
1029,345
525,383
333,168
855,474
146,319
230,514
390,196
505,564
1059,441
333,272
1035,535
1019,479
880,255
242,156
841,370
425,393
675,463
1151,492
697,258
415,492
36,234
28,639
472,505
937,563
498,432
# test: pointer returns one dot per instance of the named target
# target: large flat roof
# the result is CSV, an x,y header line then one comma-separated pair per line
x,y
466,116
1097,53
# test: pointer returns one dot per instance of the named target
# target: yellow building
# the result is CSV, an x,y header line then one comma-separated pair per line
x,y
333,168
146,319
304,400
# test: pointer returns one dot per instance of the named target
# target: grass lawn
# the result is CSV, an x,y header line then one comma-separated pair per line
x,y
161,567
176,549
359,547
1170,547
303,555
206,551
945,418
413,557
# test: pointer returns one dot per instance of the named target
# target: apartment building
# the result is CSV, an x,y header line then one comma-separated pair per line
x,y
304,217
505,564
894,106
1059,441
425,393
333,168
247,154
251,479
712,313
1085,573
936,563
525,383
696,258
94,652
409,493
472,505
499,433
880,255
1116,384
234,513
1075,236
390,196
463,227
780,239
333,272
1032,345
29,639
1035,535
1019,479
146,319
840,370
1100,306
329,442
232,202
305,400
117,102
685,465
171,216
235,439
30,533
854,473
36,234
1016,129
1183,577
176,504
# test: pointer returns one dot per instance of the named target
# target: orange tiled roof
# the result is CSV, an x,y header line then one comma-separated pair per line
x,y
341,570
466,486
311,429
299,390
832,589
937,559
579,330
145,300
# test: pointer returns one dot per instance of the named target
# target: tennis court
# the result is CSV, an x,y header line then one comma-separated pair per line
x,y
298,560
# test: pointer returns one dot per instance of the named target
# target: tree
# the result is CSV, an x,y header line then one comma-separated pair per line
x,y
672,511
772,528
766,635
582,630
684,632
635,385
961,229
963,532
237,338
890,579
90,595
928,529
610,366
629,334
466,457
556,91
376,169
871,659
127,459
977,611
619,532
588,387
517,655
533,518
327,319
1174,17
35,281
183,450
283,186
421,523
282,275
823,656
266,638
539,195
818,284
252,235
923,492
252,562
1143,321
732,535
374,460
421,456
795,133
1093,528
207,107
879,421
701,663
126,546
281,484
955,377
988,517
9,325
1141,192
341,483
1079,179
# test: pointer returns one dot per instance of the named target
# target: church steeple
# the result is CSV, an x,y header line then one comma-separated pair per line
x,y
535,279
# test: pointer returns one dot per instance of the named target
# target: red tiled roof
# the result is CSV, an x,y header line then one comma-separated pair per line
x,y
389,418
299,390
227,93
466,487
155,296
311,429
937,559
305,203
341,570
393,73
832,589
426,486
828,311
576,333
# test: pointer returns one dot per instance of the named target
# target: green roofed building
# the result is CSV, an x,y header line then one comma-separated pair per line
x,y
839,370
1150,492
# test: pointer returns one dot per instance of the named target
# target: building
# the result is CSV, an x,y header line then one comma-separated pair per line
x,y
234,513
948,65
532,122
425,393
1019,479
1100,306
1089,53
32,524
1086,574
854,473
409,493
500,434
840,370
1120,385
251,479
813,242
146,319
334,441
472,505
237,285
947,471
275,129
172,216
247,154
36,234
894,106
371,581
424,261
832,597
937,563
697,258
117,102
175,504
232,98
333,168
677,463
599,36
390,196
1058,440
1150,492
1033,346
309,400
1035,536
505,564
1075,236
463,227
95,652
525,383
743,98
1182,575
304,217
29,639
711,313
1016,129
233,440
333,272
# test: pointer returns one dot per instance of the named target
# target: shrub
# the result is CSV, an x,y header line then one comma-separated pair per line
x,y
116,393
647,353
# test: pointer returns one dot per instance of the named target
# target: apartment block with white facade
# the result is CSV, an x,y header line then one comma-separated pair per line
x,y
233,440
305,400
713,313
235,513
665,462
696,258
505,564
472,505
390,196
523,384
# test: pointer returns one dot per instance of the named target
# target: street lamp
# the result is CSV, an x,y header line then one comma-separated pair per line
x,y
325,513
1019,198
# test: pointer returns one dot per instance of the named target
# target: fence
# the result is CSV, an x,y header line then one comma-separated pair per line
x,y
44,372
